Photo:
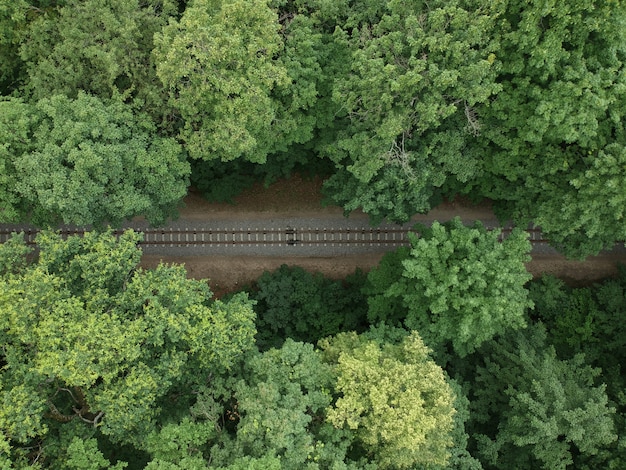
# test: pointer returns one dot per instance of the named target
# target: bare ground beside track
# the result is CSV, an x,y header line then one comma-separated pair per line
x,y
229,273
299,197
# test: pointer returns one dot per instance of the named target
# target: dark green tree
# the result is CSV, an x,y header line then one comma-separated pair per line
x,y
534,410
590,321
293,303
14,16
16,127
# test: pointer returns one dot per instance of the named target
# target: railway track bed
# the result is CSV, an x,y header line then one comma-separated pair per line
x,y
306,241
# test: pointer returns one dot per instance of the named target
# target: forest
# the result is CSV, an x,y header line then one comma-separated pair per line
x,y
447,355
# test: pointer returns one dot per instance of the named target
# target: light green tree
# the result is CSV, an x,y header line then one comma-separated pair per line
x,y
179,445
418,72
92,342
393,396
553,137
220,66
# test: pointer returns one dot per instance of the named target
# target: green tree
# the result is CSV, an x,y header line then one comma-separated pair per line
x,y
456,285
101,47
590,321
179,445
589,214
14,16
393,397
293,303
534,410
97,346
281,397
219,63
418,71
85,161
16,126
85,455
307,118
382,307
553,137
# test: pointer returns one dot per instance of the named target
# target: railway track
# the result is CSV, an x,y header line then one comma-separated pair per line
x,y
288,236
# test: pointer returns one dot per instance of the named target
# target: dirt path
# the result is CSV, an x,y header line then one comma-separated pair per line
x,y
302,197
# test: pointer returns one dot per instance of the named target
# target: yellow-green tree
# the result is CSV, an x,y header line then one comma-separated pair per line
x,y
219,64
393,397
94,346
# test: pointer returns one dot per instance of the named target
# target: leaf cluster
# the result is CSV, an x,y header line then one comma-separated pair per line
x,y
293,303
85,161
456,285
89,337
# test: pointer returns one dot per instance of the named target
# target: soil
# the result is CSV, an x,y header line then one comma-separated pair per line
x,y
299,196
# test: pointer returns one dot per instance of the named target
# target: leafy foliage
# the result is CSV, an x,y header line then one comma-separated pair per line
x,y
16,127
218,63
90,337
105,365
179,445
456,285
553,137
91,162
589,321
293,303
13,18
417,72
538,410
583,320
102,48
393,397
281,398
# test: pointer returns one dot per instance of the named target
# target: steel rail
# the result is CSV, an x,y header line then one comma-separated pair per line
x,y
306,236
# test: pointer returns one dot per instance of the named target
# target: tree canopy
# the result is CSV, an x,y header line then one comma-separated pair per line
x,y
404,103
101,48
218,63
92,342
417,74
393,397
85,161
293,303
538,410
456,285
554,135
448,356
